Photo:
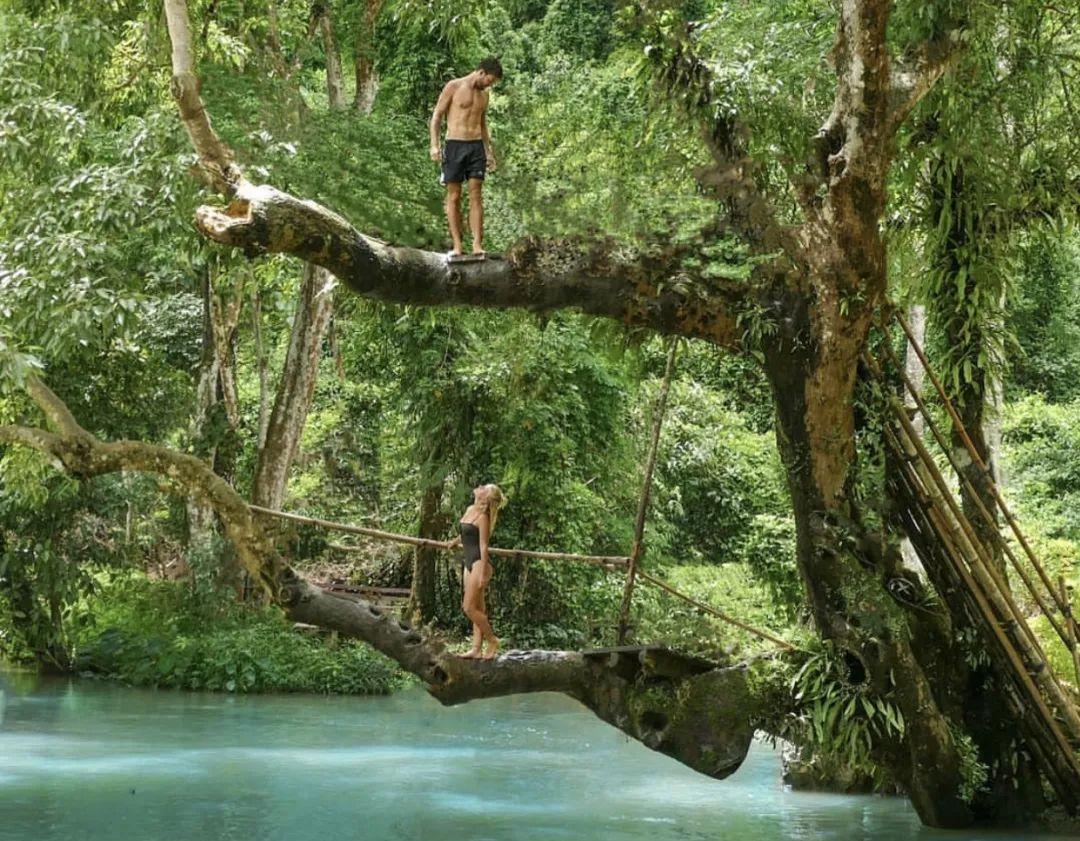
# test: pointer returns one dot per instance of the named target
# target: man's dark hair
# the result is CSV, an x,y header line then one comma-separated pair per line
x,y
492,66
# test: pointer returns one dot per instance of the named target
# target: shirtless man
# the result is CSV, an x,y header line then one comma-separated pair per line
x,y
467,155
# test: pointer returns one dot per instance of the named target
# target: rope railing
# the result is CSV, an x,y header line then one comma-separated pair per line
x,y
379,534
712,611
611,562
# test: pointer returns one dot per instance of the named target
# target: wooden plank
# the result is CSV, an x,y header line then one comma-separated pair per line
x,y
472,258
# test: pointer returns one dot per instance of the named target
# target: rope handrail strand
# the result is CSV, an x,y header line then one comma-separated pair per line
x,y
663,585
379,534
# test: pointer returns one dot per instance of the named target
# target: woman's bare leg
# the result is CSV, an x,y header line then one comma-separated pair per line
x,y
466,606
474,603
493,641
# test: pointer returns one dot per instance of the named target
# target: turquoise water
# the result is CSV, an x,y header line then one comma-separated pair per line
x,y
86,760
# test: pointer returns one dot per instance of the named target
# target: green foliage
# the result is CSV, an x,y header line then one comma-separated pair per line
x,y
582,28
973,772
715,478
1043,464
160,633
731,588
841,722
1045,316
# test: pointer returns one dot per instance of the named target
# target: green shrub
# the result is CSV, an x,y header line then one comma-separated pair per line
x,y
158,633
731,589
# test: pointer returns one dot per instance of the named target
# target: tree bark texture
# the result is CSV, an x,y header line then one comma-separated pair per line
x,y
367,80
334,89
295,389
422,600
216,408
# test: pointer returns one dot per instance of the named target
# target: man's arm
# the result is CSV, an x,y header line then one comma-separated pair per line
x,y
441,109
489,152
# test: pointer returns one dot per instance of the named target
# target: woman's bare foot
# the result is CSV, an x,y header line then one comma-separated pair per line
x,y
493,650
471,654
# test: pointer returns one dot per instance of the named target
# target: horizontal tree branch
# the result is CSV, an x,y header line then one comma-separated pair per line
x,y
696,712
598,278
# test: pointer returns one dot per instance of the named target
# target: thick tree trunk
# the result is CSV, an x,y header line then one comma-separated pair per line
x,y
334,88
843,578
367,85
422,601
263,367
367,81
216,411
296,388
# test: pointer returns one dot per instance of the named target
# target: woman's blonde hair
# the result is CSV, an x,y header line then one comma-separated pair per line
x,y
496,499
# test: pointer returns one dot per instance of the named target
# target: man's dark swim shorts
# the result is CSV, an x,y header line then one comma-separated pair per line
x,y
462,160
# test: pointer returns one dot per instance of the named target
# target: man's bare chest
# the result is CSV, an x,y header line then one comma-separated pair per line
x,y
468,99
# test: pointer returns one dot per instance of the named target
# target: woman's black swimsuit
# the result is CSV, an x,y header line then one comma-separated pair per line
x,y
470,543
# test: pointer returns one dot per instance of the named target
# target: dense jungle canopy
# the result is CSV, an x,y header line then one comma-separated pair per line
x,y
222,284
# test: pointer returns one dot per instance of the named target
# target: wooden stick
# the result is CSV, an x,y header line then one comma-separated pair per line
x,y
1005,511
984,512
988,578
1070,620
663,585
646,489
973,588
378,534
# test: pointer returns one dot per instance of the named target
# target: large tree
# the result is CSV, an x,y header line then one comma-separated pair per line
x,y
809,305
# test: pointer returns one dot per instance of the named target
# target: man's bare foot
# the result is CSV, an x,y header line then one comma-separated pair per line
x,y
493,650
471,654
478,252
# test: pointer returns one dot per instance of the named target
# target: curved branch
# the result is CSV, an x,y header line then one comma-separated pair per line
x,y
215,157
54,408
598,277
695,711
915,76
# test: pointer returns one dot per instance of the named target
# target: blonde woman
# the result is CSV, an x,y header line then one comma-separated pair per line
x,y
476,526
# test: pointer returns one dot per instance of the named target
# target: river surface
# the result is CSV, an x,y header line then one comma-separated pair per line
x,y
83,760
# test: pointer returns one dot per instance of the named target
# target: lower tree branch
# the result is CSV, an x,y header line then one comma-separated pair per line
x,y
697,712
914,76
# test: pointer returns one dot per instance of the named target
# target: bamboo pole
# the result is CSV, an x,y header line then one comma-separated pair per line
x,y
378,534
988,579
998,498
971,542
980,506
1062,764
646,489
663,585
1070,620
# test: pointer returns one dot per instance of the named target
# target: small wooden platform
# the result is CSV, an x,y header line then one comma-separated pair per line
x,y
392,598
472,258
653,659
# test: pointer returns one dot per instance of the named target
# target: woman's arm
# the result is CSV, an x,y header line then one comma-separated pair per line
x,y
484,526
